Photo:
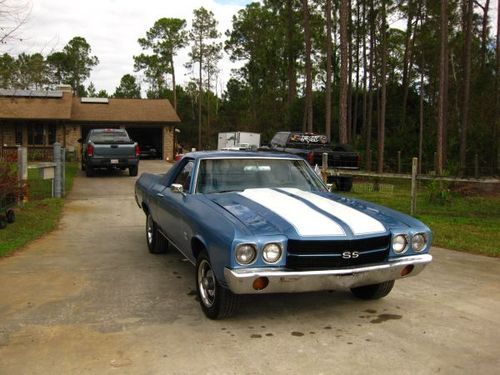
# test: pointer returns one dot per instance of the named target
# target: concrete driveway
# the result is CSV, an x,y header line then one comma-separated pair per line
x,y
89,298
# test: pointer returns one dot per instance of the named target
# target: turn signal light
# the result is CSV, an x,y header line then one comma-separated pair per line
x,y
260,283
310,157
407,270
137,150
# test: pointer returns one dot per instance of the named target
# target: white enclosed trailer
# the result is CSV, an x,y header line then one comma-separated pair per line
x,y
236,139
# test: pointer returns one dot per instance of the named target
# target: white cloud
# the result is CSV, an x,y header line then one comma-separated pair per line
x,y
112,28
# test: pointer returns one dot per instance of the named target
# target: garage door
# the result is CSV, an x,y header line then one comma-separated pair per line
x,y
150,141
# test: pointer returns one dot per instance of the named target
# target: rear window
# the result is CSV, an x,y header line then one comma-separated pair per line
x,y
110,136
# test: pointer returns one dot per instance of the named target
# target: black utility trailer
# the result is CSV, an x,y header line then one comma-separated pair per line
x,y
7,214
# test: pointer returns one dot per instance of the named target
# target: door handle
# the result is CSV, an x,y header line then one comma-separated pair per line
x,y
159,195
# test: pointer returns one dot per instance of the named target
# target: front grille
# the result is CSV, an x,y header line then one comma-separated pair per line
x,y
328,254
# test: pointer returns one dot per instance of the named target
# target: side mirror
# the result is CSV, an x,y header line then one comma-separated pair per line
x,y
80,140
176,188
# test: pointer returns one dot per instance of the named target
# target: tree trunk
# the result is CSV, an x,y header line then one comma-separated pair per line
x,y
383,93
406,58
328,88
343,72
421,119
308,108
484,33
368,150
497,94
468,4
291,75
365,88
356,94
349,71
173,82
443,86
200,95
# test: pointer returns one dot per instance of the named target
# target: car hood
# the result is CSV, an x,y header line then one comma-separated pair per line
x,y
300,214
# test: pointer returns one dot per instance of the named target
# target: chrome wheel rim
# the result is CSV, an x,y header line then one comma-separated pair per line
x,y
149,230
206,283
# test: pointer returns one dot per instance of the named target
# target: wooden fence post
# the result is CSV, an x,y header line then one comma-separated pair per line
x,y
324,166
399,161
22,172
414,169
476,166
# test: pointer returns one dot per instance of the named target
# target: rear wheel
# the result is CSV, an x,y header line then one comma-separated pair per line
x,y
374,291
10,216
157,244
133,170
344,183
89,171
216,301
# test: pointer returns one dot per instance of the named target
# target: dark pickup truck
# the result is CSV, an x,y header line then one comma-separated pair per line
x,y
109,148
311,147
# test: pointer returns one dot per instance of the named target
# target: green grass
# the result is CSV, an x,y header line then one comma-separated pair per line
x,y
465,223
36,217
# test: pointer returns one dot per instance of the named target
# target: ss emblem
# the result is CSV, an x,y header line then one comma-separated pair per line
x,y
350,254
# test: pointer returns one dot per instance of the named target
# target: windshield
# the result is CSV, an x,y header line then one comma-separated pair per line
x,y
222,175
110,136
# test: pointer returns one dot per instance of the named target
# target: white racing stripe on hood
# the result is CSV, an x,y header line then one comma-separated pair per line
x,y
305,219
359,222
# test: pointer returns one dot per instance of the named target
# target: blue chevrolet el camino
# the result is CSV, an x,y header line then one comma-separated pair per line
x,y
255,222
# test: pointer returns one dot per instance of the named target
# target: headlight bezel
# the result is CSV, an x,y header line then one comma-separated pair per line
x,y
253,259
425,240
406,243
280,247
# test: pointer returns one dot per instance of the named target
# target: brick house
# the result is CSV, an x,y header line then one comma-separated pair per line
x,y
37,119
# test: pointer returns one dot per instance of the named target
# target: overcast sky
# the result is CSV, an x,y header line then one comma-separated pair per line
x,y
112,28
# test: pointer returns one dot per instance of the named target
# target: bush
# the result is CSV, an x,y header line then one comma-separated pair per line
x,y
438,192
9,188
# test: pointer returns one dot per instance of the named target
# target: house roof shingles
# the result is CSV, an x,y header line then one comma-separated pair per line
x,y
71,108
125,110
37,108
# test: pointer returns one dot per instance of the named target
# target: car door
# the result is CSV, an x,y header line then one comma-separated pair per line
x,y
174,207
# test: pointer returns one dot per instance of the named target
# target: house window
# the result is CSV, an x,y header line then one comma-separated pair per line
x,y
18,131
41,134
51,131
36,134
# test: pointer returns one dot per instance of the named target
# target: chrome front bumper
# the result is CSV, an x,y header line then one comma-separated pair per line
x,y
240,281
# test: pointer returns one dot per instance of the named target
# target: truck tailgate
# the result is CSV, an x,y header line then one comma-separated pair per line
x,y
114,150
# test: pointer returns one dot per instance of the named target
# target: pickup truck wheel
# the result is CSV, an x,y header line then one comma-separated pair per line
x,y
374,291
157,244
89,171
216,301
344,184
133,170
10,216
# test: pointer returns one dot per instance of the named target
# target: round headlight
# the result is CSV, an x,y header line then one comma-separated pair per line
x,y
271,252
418,242
399,244
245,254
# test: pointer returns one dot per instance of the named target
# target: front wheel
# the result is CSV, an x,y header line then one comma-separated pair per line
x,y
216,301
157,244
375,291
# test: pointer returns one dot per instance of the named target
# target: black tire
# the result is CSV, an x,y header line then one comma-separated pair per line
x,y
11,216
3,222
216,301
89,171
345,183
133,170
157,244
375,291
